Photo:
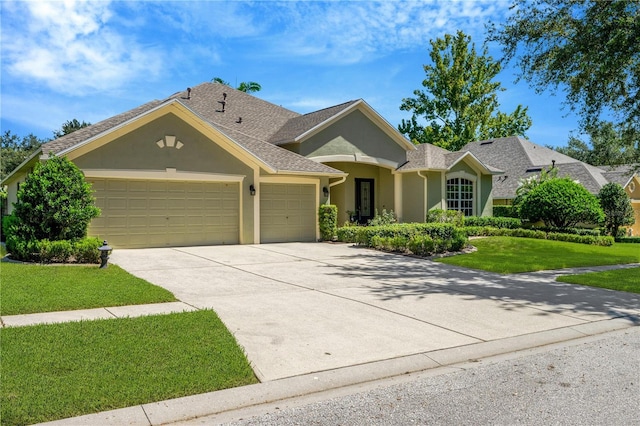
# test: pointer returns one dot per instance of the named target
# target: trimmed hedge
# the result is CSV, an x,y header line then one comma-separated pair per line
x,y
418,238
505,211
635,240
328,219
488,231
496,222
62,251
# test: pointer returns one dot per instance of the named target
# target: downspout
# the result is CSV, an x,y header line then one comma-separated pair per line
x,y
424,206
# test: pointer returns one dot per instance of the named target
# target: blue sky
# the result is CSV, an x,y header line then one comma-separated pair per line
x,y
91,60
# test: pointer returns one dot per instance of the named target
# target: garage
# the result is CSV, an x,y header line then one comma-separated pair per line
x,y
287,212
159,213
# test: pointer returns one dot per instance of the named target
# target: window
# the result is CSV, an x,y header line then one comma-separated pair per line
x,y
460,195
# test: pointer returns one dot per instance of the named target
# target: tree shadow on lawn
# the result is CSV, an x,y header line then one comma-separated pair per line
x,y
401,277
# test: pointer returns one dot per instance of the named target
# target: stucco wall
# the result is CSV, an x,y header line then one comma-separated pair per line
x,y
353,134
635,203
138,150
343,195
413,197
434,191
16,179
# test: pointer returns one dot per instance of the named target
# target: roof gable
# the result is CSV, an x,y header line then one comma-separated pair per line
x,y
431,157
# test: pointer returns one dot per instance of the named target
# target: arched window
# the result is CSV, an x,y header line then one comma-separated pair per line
x,y
460,195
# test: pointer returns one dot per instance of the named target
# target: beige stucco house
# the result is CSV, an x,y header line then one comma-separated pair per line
x,y
213,165
519,159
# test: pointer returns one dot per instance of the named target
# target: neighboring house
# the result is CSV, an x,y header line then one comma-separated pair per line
x,y
213,165
519,159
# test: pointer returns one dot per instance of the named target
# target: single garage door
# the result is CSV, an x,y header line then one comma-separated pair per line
x,y
156,213
287,212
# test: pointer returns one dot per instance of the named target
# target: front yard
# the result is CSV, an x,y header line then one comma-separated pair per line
x,y
57,371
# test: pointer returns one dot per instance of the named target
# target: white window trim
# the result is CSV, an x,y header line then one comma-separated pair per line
x,y
463,175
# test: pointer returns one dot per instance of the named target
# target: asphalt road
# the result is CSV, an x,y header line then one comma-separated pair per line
x,y
593,381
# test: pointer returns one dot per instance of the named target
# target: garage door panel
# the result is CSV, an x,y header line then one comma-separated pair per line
x,y
150,213
287,212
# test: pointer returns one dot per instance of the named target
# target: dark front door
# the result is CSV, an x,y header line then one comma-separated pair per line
x,y
364,200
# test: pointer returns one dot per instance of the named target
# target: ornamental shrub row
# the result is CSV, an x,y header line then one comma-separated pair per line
x,y
418,238
496,222
83,250
488,231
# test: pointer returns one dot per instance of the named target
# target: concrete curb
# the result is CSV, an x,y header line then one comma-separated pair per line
x,y
445,360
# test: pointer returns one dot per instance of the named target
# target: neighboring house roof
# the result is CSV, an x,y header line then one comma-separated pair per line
x,y
620,174
520,158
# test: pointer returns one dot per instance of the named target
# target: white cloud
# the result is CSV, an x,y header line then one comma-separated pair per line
x,y
68,46
352,32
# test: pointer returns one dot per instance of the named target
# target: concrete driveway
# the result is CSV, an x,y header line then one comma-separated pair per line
x,y
300,308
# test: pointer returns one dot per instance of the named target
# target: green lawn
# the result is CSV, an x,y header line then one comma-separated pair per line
x,y
507,255
35,288
627,279
62,370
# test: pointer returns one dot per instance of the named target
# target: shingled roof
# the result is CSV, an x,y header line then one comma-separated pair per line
x,y
300,125
245,119
520,158
430,157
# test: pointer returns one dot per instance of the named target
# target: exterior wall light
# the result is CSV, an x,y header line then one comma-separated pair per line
x,y
325,191
252,190
105,251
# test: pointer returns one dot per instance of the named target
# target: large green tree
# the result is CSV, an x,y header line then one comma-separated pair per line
x,y
69,126
244,86
617,208
459,102
608,145
588,49
14,150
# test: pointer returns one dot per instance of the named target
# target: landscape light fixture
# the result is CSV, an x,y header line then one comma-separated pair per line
x,y
105,251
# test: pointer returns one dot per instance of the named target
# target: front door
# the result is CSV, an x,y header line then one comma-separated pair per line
x,y
364,200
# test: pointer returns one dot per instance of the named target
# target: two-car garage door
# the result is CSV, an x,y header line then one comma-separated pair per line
x,y
158,213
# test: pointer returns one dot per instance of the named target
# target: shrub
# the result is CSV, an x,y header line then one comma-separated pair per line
x,y
421,245
347,234
445,216
617,208
505,211
45,251
635,240
328,219
9,224
86,250
496,222
562,203
54,202
386,218
397,237
578,231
